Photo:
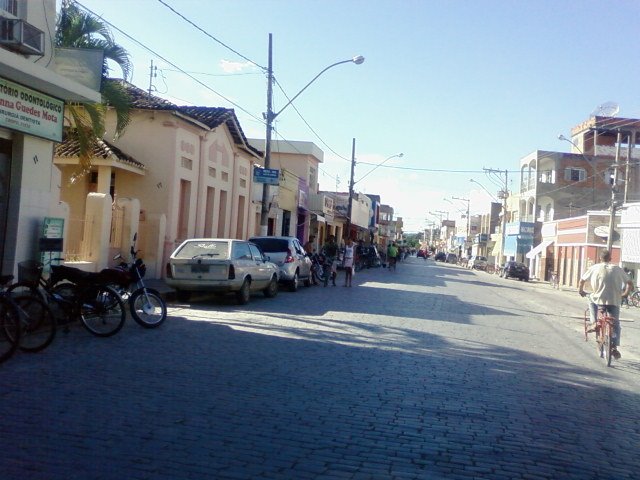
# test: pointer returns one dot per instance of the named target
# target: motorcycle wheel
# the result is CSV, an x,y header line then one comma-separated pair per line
x,y
147,307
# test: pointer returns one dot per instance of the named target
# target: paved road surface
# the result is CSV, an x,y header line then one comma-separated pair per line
x,y
428,372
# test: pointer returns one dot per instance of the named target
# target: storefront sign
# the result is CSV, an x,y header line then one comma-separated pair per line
x,y
30,112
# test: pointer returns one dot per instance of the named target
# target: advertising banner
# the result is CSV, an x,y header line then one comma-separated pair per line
x,y
30,112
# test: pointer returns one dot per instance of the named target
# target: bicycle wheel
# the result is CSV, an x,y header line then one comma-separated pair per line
x,y
25,288
9,328
634,299
37,322
147,308
606,341
102,311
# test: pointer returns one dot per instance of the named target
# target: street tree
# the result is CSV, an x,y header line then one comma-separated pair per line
x,y
76,28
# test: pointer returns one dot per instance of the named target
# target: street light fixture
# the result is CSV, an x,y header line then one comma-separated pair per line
x,y
270,116
398,155
484,188
347,232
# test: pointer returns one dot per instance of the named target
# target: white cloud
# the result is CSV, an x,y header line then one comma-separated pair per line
x,y
228,66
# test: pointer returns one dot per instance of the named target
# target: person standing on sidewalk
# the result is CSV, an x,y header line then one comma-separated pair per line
x,y
349,255
609,284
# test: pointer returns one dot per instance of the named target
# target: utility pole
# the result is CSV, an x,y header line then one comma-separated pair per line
x,y
632,142
503,194
152,75
614,188
347,233
264,212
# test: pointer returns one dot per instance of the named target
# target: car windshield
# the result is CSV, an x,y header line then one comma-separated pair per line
x,y
484,259
203,248
271,245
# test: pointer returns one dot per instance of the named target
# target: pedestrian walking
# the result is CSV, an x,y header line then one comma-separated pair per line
x,y
330,251
392,255
349,254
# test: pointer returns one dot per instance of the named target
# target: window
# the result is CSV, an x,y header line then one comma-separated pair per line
x,y
241,251
10,6
257,254
573,174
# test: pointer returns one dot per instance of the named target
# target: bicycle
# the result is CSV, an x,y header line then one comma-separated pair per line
x,y
73,294
9,323
604,330
553,280
27,322
634,298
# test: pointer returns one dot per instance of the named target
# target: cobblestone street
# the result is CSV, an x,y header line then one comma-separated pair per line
x,y
429,372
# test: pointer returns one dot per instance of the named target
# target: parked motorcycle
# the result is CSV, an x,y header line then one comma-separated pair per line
x,y
147,307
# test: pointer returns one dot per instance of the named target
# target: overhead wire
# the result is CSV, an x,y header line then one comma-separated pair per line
x,y
211,36
153,52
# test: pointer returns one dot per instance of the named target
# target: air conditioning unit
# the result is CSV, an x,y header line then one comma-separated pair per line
x,y
21,37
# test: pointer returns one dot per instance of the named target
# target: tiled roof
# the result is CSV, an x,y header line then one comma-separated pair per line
x,y
70,148
212,117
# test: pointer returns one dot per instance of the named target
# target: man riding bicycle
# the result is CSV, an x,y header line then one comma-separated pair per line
x,y
607,282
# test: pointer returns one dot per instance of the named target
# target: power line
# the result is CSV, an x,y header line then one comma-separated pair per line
x,y
153,52
210,36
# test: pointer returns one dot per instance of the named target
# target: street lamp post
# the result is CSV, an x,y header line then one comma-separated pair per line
x,y
270,116
352,183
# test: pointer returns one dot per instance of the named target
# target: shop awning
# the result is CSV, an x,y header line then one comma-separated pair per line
x,y
319,217
539,249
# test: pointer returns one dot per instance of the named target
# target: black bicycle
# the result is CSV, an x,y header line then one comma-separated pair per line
x,y
26,322
73,294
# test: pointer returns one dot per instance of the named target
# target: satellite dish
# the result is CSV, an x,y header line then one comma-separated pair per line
x,y
607,109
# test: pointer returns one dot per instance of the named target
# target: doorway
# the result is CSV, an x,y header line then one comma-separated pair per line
x,y
5,190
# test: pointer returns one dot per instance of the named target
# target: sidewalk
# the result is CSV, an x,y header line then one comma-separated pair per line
x,y
569,300
166,292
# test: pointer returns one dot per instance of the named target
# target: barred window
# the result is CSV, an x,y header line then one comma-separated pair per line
x,y
573,174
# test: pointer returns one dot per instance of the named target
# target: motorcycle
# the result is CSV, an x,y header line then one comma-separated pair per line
x,y
147,307
317,268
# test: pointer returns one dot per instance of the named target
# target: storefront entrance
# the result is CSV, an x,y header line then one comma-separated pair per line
x,y
5,188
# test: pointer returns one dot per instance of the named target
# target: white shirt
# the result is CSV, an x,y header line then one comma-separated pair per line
x,y
607,282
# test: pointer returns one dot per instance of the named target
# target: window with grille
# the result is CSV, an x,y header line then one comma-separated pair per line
x,y
9,6
572,174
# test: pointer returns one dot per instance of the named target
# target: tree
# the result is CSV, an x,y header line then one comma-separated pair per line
x,y
76,28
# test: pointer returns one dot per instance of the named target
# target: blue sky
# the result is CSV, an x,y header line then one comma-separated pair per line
x,y
454,85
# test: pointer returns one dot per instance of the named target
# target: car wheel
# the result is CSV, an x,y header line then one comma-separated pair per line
x,y
243,295
293,285
526,279
272,289
183,295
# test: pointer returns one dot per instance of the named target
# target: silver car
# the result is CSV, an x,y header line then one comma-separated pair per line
x,y
221,265
289,256
478,262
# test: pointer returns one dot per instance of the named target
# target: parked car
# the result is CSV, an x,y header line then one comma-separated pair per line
x,y
422,253
451,258
221,265
440,257
287,253
515,270
478,262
